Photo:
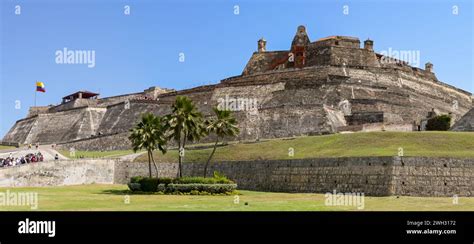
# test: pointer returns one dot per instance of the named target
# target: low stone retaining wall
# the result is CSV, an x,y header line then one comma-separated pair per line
x,y
59,173
374,176
126,170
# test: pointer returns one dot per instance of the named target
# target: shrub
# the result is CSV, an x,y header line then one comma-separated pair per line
x,y
441,122
136,179
161,188
134,186
165,181
220,178
149,184
196,187
187,185
217,179
201,180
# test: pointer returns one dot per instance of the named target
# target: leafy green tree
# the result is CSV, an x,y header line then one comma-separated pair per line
x,y
149,134
185,124
224,124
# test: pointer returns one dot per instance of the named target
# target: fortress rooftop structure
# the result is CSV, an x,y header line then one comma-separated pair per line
x,y
333,50
80,95
317,87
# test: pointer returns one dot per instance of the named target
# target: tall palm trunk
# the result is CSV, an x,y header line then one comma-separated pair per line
x,y
179,158
210,156
181,162
149,162
153,160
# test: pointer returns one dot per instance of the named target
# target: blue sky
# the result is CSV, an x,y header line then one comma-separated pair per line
x,y
140,50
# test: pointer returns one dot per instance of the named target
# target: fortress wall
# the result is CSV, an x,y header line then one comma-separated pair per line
x,y
108,101
80,102
466,123
263,61
276,76
318,54
374,176
353,57
310,111
56,127
306,175
201,96
116,141
425,95
408,95
90,122
37,110
203,100
433,177
252,122
125,170
119,119
21,130
291,121
67,125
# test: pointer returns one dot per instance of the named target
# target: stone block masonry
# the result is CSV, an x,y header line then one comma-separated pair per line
x,y
58,173
126,170
374,176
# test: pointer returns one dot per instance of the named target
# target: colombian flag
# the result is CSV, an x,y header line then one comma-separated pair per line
x,y
40,87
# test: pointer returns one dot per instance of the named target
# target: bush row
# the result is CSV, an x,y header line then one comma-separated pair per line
x,y
193,188
183,180
216,185
189,188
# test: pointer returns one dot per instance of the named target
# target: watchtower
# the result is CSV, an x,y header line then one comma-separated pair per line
x,y
298,47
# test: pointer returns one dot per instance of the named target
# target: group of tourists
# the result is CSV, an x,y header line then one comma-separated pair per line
x,y
28,158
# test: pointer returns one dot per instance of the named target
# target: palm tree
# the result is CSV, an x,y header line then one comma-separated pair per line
x,y
149,134
185,124
223,125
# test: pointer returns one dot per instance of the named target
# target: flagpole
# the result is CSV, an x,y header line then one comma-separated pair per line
x,y
35,93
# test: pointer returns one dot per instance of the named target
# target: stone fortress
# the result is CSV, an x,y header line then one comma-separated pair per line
x,y
326,86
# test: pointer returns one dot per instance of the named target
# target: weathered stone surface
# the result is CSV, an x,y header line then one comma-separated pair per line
x,y
57,127
466,123
377,176
58,173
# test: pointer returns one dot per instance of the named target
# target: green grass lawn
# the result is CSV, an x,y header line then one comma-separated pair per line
x,y
113,197
6,147
96,154
428,144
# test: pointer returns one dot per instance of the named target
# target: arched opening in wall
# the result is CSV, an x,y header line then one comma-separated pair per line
x,y
337,43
